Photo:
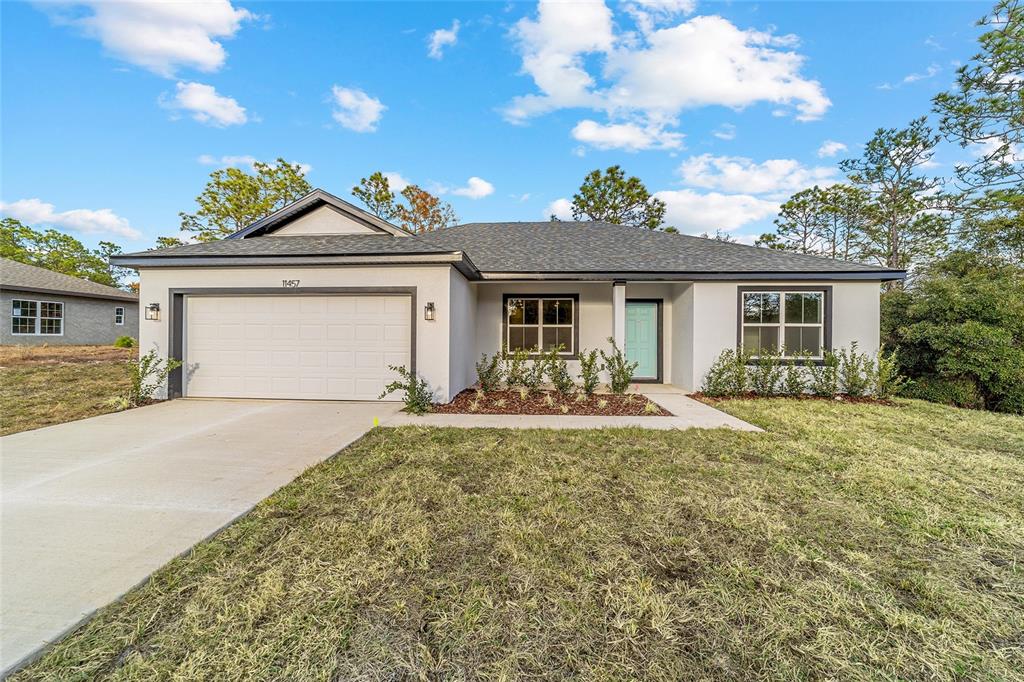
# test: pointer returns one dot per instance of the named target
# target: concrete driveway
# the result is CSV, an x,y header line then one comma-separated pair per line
x,y
91,508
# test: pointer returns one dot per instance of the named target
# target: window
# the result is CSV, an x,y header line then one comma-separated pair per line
x,y
37,317
541,323
792,322
119,315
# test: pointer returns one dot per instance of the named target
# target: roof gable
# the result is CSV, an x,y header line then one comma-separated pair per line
x,y
325,220
350,214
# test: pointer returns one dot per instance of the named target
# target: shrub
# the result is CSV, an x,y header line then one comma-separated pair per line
x,y
590,371
620,370
145,376
488,372
533,376
856,371
959,392
766,373
516,367
825,376
888,381
416,392
716,381
558,371
794,376
125,342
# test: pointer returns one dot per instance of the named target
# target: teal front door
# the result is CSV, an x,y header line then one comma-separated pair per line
x,y
642,338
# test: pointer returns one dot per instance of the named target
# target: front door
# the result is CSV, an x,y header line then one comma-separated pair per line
x,y
642,338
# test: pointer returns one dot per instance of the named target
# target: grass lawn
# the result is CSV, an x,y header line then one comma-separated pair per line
x,y
44,385
848,542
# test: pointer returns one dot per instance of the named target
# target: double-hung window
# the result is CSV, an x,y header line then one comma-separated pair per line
x,y
790,322
37,317
540,323
118,315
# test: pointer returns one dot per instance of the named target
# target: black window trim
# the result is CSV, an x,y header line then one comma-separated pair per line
x,y
826,290
526,294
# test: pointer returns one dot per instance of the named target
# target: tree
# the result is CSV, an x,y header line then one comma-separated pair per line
x,y
909,212
612,197
847,212
801,221
424,212
375,192
59,252
234,199
168,242
718,236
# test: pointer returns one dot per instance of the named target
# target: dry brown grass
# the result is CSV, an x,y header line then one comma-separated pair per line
x,y
847,542
46,385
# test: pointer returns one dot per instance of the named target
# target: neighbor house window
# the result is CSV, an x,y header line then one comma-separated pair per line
x,y
540,323
791,322
37,317
118,315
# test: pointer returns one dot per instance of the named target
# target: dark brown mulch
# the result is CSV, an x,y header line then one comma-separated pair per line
x,y
509,402
862,399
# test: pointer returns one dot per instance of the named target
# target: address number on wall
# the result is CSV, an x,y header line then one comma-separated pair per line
x,y
289,283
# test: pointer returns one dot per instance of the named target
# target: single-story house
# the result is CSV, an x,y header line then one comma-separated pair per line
x,y
317,300
41,306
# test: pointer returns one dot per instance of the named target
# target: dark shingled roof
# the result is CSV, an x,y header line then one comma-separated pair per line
x,y
21,277
541,247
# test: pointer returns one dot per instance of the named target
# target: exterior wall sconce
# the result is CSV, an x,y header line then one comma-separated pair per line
x,y
428,312
153,311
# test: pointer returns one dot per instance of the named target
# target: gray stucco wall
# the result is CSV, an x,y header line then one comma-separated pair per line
x,y
87,321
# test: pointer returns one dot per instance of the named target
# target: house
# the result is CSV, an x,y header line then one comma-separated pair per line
x,y
317,300
41,306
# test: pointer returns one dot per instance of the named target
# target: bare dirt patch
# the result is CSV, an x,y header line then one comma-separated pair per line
x,y
14,356
552,403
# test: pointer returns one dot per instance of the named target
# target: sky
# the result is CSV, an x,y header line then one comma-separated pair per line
x,y
113,114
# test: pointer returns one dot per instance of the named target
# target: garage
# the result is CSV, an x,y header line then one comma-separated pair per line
x,y
322,347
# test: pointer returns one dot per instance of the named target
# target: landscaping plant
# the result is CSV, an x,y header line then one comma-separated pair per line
x,y
488,372
620,370
415,391
856,371
794,377
590,371
716,381
825,377
558,371
145,376
888,380
516,367
533,376
125,342
766,372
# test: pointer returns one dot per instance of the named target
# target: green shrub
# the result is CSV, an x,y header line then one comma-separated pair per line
x,y
590,371
717,382
856,371
825,376
766,373
959,392
516,368
145,376
533,375
558,371
488,372
125,342
888,380
620,370
416,392
794,376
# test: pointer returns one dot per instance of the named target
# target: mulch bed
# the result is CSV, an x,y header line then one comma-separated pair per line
x,y
863,399
509,402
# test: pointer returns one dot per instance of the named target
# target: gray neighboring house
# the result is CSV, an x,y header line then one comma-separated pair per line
x,y
41,306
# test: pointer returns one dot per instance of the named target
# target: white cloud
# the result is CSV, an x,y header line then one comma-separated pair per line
x,y
628,136
84,220
396,183
726,131
159,36
830,148
992,147
242,161
560,208
740,174
442,38
356,110
930,72
704,61
648,13
205,105
476,188
696,212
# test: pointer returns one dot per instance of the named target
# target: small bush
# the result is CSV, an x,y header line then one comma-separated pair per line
x,y
488,372
125,342
620,370
888,380
959,392
516,367
558,371
825,377
794,376
533,376
416,392
145,376
856,371
590,371
716,381
766,373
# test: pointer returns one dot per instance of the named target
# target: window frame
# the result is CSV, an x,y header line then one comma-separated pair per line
x,y
574,355
38,317
826,316
119,313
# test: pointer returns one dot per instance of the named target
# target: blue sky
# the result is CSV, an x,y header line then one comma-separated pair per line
x,y
113,114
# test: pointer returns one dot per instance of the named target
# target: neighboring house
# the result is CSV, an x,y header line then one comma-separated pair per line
x,y
41,306
318,299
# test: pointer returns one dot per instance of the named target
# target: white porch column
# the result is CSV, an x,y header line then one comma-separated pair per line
x,y
619,314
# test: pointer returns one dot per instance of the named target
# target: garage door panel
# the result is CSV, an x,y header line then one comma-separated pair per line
x,y
323,347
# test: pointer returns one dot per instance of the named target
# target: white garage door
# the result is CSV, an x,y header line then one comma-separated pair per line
x,y
306,347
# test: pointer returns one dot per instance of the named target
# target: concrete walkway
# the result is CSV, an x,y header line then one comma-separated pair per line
x,y
91,508
687,414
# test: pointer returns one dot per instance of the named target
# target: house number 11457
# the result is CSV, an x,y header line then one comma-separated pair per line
x,y
289,283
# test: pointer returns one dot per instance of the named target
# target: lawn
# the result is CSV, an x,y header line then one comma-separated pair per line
x,y
848,542
44,385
